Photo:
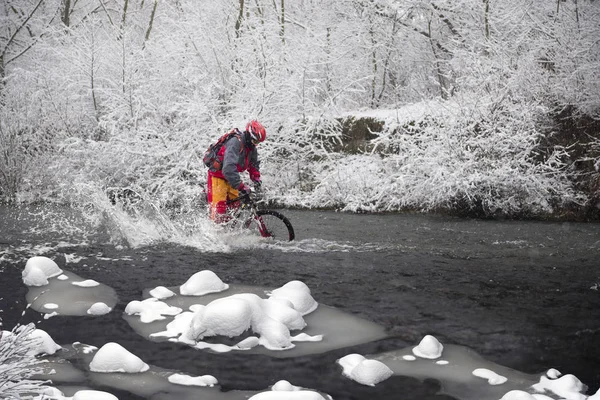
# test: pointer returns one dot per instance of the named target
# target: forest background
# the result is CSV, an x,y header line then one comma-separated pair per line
x,y
477,107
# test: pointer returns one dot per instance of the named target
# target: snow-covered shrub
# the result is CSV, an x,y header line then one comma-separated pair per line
x,y
18,364
477,157
25,140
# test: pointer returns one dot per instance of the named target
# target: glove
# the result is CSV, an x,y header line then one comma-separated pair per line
x,y
244,189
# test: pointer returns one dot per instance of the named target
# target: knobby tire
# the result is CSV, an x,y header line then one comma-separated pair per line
x,y
274,224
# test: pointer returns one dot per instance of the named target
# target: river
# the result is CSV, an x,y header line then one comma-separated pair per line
x,y
522,294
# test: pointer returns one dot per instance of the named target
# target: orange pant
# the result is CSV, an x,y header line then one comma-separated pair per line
x,y
219,191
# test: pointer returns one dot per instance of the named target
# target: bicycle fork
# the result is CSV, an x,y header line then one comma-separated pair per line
x,y
262,228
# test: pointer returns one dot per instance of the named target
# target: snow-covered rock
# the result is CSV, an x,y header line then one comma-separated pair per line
x,y
364,371
45,344
38,269
98,309
112,357
298,294
492,377
161,292
283,390
151,309
186,380
429,347
202,283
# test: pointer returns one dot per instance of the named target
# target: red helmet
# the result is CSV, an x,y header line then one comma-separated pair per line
x,y
256,130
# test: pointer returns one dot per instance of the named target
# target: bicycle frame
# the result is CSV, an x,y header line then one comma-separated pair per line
x,y
246,202
270,223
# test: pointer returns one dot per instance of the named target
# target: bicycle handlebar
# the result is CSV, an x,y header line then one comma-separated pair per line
x,y
245,198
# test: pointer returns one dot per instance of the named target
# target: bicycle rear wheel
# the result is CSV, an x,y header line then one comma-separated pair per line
x,y
268,223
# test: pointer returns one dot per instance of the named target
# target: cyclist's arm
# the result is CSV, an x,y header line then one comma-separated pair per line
x,y
254,168
230,160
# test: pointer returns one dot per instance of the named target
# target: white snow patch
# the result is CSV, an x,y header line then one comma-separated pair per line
x,y
186,380
298,294
364,371
492,377
86,283
151,309
283,390
429,347
202,283
161,292
93,395
45,344
567,386
98,309
521,395
112,357
38,269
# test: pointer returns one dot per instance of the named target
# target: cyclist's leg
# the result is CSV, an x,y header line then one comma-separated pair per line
x,y
232,194
218,189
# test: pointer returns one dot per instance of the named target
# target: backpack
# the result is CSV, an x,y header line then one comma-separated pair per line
x,y
211,158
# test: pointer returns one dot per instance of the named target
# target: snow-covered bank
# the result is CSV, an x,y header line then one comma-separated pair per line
x,y
472,157
468,156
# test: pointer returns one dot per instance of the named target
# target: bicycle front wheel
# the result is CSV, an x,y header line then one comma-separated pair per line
x,y
268,223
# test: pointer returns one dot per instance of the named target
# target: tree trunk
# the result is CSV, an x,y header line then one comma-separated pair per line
x,y
151,21
1,71
66,12
283,21
487,18
374,63
438,68
238,23
124,18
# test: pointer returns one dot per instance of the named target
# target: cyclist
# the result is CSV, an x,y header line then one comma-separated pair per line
x,y
237,155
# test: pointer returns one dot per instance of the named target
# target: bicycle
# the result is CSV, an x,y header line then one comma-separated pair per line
x,y
267,223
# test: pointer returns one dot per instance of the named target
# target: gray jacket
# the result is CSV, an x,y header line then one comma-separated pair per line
x,y
239,155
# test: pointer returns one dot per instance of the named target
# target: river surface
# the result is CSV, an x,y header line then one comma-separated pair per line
x,y
522,294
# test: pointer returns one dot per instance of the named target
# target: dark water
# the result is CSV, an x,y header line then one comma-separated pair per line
x,y
522,294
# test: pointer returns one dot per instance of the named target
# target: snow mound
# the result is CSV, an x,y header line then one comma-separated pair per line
x,y
272,319
228,316
186,380
283,390
38,270
283,311
364,371
298,294
87,283
161,292
202,283
429,347
93,395
54,393
521,395
567,386
112,357
98,309
45,344
274,335
151,309
492,377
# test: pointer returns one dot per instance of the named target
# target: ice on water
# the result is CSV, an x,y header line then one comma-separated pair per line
x,y
205,306
54,291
